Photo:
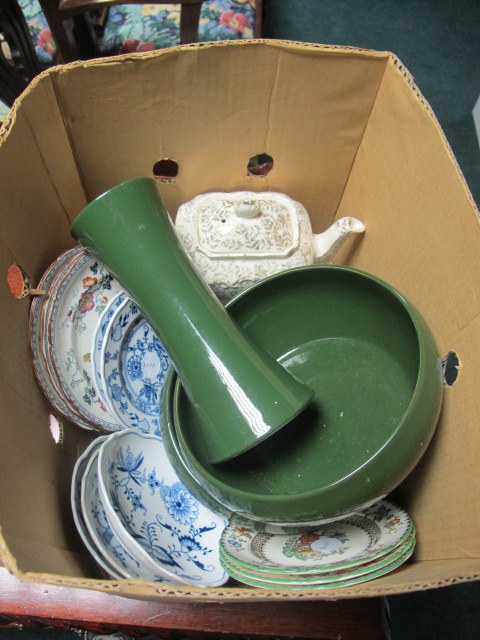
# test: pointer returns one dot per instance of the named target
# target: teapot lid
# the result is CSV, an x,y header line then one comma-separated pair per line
x,y
246,224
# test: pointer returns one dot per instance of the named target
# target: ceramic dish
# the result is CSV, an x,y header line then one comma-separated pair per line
x,y
46,319
43,375
322,577
97,343
81,298
134,367
109,545
153,513
75,501
348,581
343,544
376,405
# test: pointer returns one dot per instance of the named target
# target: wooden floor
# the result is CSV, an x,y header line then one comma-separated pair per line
x,y
34,605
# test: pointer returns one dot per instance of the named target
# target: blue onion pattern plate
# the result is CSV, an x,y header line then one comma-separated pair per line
x,y
154,514
80,299
107,543
75,500
134,367
97,343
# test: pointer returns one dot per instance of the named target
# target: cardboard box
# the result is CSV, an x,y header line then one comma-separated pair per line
x,y
349,133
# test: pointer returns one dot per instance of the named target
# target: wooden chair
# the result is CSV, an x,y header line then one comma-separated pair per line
x,y
21,64
74,34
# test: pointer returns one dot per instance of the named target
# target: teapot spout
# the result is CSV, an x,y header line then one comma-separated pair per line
x,y
326,244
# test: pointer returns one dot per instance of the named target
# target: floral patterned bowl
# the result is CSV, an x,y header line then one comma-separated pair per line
x,y
75,499
153,513
108,545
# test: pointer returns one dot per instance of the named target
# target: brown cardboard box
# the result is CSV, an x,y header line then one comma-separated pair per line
x,y
349,134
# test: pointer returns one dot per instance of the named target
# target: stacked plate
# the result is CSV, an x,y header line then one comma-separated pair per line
x,y
362,547
94,356
138,520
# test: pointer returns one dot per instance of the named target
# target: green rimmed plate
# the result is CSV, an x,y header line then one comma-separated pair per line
x,y
365,536
347,579
336,575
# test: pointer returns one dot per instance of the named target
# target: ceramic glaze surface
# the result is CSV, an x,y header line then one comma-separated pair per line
x,y
376,405
179,533
239,238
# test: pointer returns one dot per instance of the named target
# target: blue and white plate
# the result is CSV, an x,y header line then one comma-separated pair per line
x,y
75,500
107,543
154,514
97,343
134,367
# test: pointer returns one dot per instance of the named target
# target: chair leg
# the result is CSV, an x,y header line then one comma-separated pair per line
x,y
11,84
15,72
189,21
85,36
61,32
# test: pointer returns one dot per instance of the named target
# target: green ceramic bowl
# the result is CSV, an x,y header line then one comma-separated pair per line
x,y
374,366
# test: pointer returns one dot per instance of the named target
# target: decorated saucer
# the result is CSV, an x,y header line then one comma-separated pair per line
x,y
41,367
105,540
75,500
322,577
45,325
81,298
354,540
97,343
134,368
154,515
346,582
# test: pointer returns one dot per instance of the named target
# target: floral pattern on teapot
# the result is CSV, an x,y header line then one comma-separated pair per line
x,y
236,239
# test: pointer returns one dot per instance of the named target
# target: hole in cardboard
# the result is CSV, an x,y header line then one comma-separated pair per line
x,y
450,365
260,165
56,429
165,170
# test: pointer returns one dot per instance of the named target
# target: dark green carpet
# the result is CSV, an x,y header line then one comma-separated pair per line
x,y
439,43
437,40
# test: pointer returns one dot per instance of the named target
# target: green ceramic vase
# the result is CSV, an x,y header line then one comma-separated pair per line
x,y
242,393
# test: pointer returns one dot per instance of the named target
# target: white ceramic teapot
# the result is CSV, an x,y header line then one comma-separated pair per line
x,y
238,238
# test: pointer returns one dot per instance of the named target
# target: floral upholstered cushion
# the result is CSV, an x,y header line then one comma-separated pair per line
x,y
38,27
143,27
